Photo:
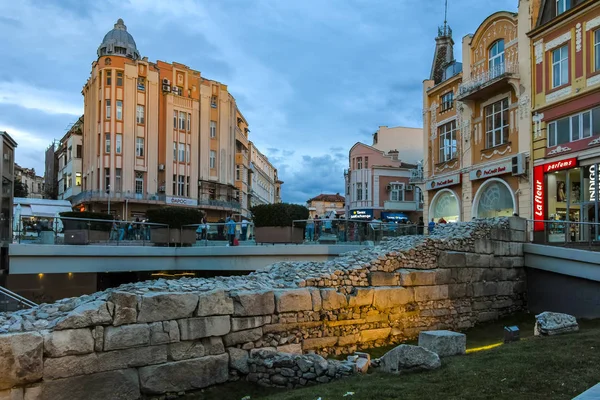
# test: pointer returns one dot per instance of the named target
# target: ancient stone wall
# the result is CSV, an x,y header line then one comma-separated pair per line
x,y
168,336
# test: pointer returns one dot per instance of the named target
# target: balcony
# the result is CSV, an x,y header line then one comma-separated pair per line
x,y
416,176
219,204
401,205
102,196
488,83
240,137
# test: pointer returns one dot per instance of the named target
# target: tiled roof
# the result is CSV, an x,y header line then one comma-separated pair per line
x,y
328,198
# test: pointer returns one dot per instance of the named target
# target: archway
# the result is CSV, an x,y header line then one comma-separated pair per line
x,y
445,204
494,198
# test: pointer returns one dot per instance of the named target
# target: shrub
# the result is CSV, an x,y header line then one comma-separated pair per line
x,y
95,224
281,214
175,217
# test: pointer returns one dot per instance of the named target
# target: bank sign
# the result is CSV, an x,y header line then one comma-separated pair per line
x,y
443,182
494,170
181,201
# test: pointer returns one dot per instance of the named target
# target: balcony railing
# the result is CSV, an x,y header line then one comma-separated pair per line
x,y
90,195
416,175
487,77
220,203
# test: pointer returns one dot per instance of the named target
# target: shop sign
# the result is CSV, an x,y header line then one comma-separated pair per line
x,y
181,201
443,182
592,187
539,199
486,172
560,165
361,214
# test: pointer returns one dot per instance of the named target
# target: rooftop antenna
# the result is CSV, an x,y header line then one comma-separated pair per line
x,y
446,14
445,30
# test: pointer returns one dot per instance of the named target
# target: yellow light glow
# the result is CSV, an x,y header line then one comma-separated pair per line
x,y
40,276
482,348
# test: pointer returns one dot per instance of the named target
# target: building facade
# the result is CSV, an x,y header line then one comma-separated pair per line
x,y
378,187
565,49
51,171
158,134
326,204
408,142
262,178
476,114
69,154
33,182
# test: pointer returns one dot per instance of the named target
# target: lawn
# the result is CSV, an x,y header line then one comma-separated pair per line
x,y
557,367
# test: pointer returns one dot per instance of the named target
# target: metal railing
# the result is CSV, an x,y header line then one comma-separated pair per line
x,y
10,301
495,72
564,233
89,195
220,233
329,231
220,203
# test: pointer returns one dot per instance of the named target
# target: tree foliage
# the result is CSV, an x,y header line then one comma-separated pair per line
x,y
20,189
280,214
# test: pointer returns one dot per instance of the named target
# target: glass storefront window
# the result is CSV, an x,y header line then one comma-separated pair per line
x,y
445,206
494,200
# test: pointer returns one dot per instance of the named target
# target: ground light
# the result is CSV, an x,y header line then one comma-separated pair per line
x,y
511,334
482,348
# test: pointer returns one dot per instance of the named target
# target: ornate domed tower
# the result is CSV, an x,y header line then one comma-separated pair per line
x,y
119,42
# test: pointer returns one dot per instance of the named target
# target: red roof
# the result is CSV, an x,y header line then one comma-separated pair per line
x,y
328,198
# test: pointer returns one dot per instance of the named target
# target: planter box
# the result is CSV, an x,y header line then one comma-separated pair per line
x,y
278,234
84,236
165,236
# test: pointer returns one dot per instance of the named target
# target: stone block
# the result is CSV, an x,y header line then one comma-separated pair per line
x,y
179,376
519,287
483,246
185,350
379,278
238,360
361,297
242,337
21,359
511,249
201,327
478,260
517,223
33,392
482,289
417,277
125,307
319,343
348,340
500,234
457,290
435,312
154,307
518,236
508,262
213,346
293,300
443,343
443,276
429,293
215,302
12,394
551,323
294,348
492,274
253,303
451,259
370,335
98,334
114,385
68,342
505,288
64,367
124,336
164,332
333,300
86,315
487,316
385,298
315,296
409,358
243,323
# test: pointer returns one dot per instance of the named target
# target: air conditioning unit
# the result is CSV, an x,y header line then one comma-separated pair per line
x,y
161,167
166,82
519,164
388,188
166,88
409,188
175,89
161,189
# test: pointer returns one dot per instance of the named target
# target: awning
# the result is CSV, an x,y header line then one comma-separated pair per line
x,y
46,210
393,216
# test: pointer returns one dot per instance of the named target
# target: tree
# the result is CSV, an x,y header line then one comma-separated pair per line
x,y
20,189
50,191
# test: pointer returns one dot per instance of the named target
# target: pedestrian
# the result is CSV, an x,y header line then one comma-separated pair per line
x,y
431,226
230,230
442,221
310,228
420,226
244,229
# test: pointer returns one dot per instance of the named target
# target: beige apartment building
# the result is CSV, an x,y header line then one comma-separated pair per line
x,y
408,142
31,180
263,181
326,204
159,134
69,154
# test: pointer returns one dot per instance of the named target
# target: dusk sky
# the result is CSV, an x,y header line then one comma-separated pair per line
x,y
312,77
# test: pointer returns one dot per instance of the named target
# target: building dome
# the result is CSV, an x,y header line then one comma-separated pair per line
x,y
119,42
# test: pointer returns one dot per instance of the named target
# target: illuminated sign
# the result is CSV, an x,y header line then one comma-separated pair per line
x,y
560,165
538,198
443,182
592,186
181,201
361,214
493,170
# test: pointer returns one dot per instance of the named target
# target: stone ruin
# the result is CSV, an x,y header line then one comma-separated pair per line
x,y
171,336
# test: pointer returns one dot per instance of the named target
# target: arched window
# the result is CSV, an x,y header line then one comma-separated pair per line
x,y
494,199
445,205
496,58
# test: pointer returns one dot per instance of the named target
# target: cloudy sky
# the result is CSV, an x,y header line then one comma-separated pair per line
x,y
312,77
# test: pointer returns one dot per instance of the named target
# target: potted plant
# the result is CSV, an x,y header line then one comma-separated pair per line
x,y
178,220
273,223
83,227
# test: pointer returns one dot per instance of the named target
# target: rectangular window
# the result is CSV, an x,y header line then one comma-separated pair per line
x,y
107,109
174,184
358,162
118,184
181,152
397,192
139,182
78,179
108,78
447,101
366,191
78,151
447,134
496,124
366,162
238,174
574,127
187,153
597,50
119,110
187,186
139,113
359,191
562,6
560,67
106,179
119,78
69,180
213,159
213,129
175,151
181,120
174,119
189,125
181,185
118,143
139,147
107,142
141,83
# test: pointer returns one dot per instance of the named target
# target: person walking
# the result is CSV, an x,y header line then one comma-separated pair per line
x,y
431,226
310,229
420,226
230,224
244,235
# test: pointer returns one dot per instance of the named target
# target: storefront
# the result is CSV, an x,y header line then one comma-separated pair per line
x,y
365,214
445,204
494,196
565,191
393,216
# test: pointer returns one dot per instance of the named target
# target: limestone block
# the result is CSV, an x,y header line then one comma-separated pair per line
x,y
65,367
125,307
33,392
370,335
451,259
457,290
481,289
385,298
12,394
379,278
428,293
500,234
238,360
520,287
517,223
242,337
294,348
483,246
508,262
487,316
315,296
68,342
20,358
98,333
243,323
86,315
333,300
155,307
409,358
361,297
504,288
185,350
213,346
511,249
443,276
417,277
443,343
124,336
114,385
215,302
293,300
201,327
478,260
319,343
551,323
253,303
362,365
348,340
184,375
164,332
518,236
